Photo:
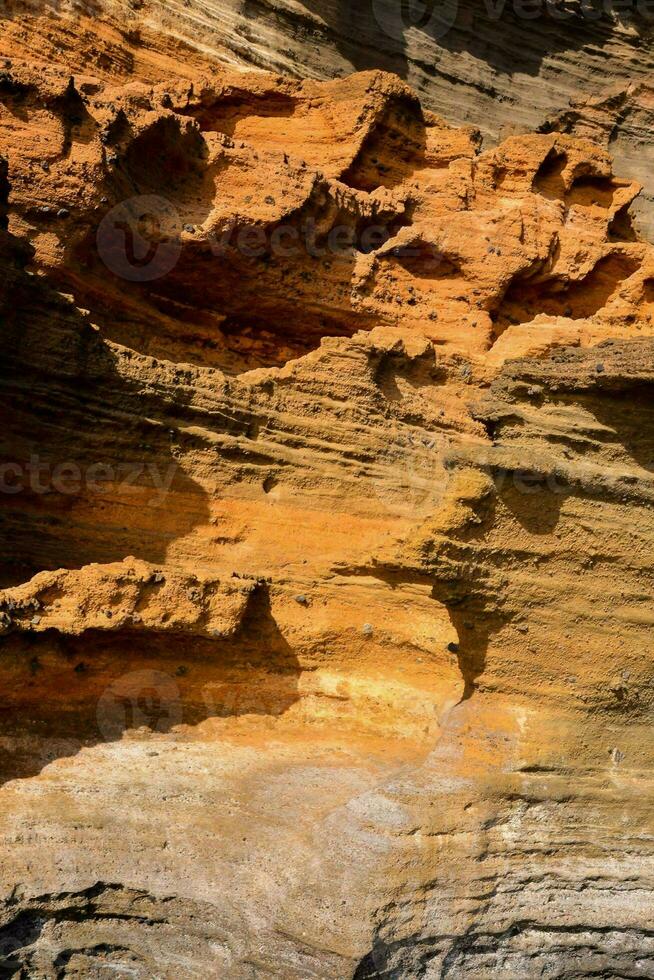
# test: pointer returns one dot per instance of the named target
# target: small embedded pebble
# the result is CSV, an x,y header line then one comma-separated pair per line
x,y
600,369
189,228
35,620
367,629
63,213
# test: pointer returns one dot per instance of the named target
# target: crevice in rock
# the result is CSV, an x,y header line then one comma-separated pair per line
x,y
549,177
524,299
393,149
621,227
582,187
224,114
170,162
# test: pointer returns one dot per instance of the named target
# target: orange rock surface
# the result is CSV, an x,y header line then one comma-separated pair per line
x,y
327,481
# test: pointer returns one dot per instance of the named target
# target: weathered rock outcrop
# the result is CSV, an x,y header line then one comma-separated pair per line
x,y
327,482
503,67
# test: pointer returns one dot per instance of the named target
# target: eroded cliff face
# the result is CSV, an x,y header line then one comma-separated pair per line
x,y
502,66
326,519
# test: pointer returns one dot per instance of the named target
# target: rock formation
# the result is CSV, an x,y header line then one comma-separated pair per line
x,y
327,482
505,67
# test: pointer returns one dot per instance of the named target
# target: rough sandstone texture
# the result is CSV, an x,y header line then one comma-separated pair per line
x,y
342,665
503,66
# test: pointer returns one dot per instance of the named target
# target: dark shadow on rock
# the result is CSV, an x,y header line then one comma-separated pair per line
x,y
476,616
255,296
533,499
578,300
466,584
509,37
393,150
62,693
105,929
497,34
474,627
351,28
629,414
91,469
